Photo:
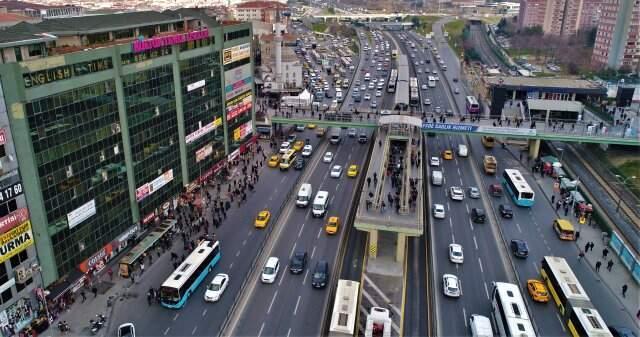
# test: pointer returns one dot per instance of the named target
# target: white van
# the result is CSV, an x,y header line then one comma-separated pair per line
x,y
304,195
436,178
463,151
320,204
367,77
480,326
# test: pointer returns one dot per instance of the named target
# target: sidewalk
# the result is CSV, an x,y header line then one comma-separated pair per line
x,y
614,279
121,291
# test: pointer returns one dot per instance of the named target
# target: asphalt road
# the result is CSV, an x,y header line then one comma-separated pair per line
x,y
291,306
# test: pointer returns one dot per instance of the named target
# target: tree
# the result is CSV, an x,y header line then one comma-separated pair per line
x,y
416,21
331,10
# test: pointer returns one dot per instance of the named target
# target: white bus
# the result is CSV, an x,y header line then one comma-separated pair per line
x,y
509,311
518,188
431,81
184,281
345,309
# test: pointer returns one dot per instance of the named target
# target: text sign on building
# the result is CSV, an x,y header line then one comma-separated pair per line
x,y
192,137
11,192
82,213
242,131
163,41
236,53
66,72
196,85
204,152
10,221
15,241
157,183
239,105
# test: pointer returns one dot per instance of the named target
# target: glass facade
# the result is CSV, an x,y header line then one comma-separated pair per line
x,y
202,109
78,149
150,104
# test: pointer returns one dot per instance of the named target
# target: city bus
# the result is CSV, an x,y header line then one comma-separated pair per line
x,y
473,108
393,78
263,128
184,281
509,311
414,96
345,309
287,159
431,81
394,53
518,188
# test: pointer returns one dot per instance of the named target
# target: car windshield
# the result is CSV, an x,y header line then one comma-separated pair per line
x,y
457,253
318,275
214,287
261,217
268,270
452,289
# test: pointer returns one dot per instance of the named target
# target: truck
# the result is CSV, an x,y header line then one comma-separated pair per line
x,y
378,323
490,164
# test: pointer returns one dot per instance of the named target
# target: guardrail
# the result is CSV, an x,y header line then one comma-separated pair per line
x,y
432,326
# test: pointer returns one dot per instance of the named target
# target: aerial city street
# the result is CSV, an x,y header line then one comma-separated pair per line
x,y
376,168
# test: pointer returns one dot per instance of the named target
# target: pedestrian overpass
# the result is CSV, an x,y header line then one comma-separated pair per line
x,y
536,130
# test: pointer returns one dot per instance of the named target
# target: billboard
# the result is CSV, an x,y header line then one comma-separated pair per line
x,y
204,152
15,241
239,52
82,213
203,130
239,105
13,219
151,187
242,131
237,81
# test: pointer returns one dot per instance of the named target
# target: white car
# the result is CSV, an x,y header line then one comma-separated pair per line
x,y
451,285
434,72
438,211
456,193
434,161
373,104
217,286
367,97
378,93
336,171
456,91
363,87
371,85
427,101
424,87
328,157
307,150
270,270
352,132
455,253
284,147
126,330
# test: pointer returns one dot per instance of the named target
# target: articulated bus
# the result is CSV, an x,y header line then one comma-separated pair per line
x,y
473,108
414,96
345,309
518,188
393,78
184,281
509,311
575,306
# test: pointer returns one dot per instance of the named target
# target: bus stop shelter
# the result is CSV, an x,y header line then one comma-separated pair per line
x,y
128,262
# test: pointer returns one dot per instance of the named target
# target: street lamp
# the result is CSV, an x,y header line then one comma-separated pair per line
x,y
623,182
561,150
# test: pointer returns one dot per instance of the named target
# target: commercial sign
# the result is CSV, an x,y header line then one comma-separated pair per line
x,y
157,183
237,81
236,53
163,41
507,130
477,128
450,127
242,131
196,85
203,130
216,167
65,72
10,192
82,213
15,241
10,221
97,260
239,105
204,152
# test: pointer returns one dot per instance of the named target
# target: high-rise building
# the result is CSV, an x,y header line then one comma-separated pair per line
x,y
590,13
532,13
264,11
618,38
558,17
113,116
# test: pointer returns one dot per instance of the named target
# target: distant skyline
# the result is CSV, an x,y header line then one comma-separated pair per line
x,y
141,4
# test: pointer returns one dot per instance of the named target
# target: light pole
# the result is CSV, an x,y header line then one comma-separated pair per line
x,y
561,150
623,181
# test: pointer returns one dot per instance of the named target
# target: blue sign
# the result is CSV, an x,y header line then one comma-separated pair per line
x,y
450,127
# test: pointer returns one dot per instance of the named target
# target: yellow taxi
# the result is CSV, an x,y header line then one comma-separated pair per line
x,y
274,160
332,225
352,172
537,290
262,219
311,126
447,154
298,145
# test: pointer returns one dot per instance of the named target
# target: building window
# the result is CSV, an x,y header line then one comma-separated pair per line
x,y
17,259
6,296
148,31
123,34
4,278
236,35
3,152
18,52
98,38
164,27
8,207
35,50
21,286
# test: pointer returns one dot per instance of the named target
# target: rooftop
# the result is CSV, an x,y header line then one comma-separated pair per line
x,y
262,4
545,82
10,17
21,5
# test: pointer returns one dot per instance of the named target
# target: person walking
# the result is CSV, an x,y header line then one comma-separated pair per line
x,y
586,247
110,273
141,268
553,198
624,290
605,252
610,265
580,256
83,295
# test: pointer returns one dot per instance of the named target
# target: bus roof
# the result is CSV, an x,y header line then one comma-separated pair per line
x,y
343,316
190,264
592,322
519,180
514,308
569,284
565,225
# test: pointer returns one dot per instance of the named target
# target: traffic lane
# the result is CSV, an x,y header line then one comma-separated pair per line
x,y
309,239
541,217
415,319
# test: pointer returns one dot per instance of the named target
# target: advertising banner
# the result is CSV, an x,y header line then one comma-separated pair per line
x,y
237,81
242,131
203,130
163,41
236,53
82,213
15,241
13,219
239,105
97,260
157,183
204,152
196,85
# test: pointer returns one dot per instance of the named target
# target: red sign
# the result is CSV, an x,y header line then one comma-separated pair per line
x,y
8,222
3,137
97,259
219,165
245,147
149,218
163,41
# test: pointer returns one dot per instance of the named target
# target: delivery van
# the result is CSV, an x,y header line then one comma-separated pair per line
x,y
480,326
304,195
436,178
320,204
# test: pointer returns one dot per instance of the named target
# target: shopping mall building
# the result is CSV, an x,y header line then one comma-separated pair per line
x,y
107,119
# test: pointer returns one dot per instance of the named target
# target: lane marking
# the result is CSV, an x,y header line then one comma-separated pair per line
x,y
561,324
486,290
471,224
458,170
480,263
238,254
319,232
464,313
295,311
289,332
193,332
313,253
167,331
461,183
231,265
272,301
282,278
467,206
292,249
283,179
337,188
176,317
453,238
475,242
204,312
518,227
244,242
300,232
304,280
448,207
261,328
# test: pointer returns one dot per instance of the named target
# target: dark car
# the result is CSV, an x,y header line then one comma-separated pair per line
x,y
519,248
362,138
478,215
495,190
505,211
320,276
292,138
298,262
455,79
299,163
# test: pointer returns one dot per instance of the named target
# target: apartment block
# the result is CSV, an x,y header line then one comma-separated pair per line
x,y
618,38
